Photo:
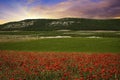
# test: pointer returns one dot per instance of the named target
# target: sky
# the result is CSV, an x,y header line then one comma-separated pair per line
x,y
15,10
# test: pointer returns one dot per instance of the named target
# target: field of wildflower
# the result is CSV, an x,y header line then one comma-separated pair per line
x,y
58,66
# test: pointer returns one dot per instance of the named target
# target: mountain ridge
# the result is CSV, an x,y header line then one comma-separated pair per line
x,y
62,24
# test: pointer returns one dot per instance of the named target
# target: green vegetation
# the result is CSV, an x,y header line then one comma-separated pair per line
x,y
79,41
107,34
65,45
62,24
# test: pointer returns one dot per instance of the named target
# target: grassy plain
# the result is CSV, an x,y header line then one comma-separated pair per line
x,y
65,45
47,41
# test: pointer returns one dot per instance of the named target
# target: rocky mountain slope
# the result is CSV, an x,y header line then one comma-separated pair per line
x,y
62,24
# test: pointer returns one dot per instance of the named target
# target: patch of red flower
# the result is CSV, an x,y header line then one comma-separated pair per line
x,y
58,66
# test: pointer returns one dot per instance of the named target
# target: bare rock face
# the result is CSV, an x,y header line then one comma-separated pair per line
x,y
19,25
63,23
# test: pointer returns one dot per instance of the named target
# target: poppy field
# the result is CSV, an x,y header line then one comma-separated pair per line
x,y
16,65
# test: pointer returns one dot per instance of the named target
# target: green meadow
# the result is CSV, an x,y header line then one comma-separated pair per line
x,y
75,44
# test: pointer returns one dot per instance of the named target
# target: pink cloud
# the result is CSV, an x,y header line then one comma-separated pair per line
x,y
81,8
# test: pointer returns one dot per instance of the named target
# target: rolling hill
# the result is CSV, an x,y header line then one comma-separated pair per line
x,y
62,24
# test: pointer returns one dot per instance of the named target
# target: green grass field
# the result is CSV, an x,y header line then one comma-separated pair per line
x,y
108,34
65,45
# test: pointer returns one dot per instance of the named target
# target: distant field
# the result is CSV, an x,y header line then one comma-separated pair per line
x,y
64,33
8,36
65,45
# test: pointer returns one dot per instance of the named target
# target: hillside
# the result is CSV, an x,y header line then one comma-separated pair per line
x,y
62,24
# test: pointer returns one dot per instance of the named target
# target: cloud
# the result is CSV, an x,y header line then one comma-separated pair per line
x,y
30,1
67,8
82,8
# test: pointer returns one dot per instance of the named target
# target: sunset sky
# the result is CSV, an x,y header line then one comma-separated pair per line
x,y
15,10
